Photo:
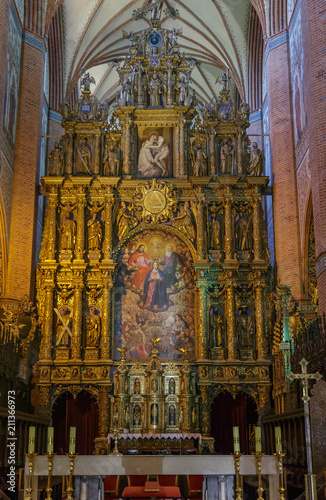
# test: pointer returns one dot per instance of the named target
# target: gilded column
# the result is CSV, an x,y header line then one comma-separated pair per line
x,y
104,414
228,221
205,412
201,225
201,321
170,82
140,96
239,152
78,321
96,167
68,146
106,316
182,171
231,320
107,243
257,225
80,233
260,320
127,146
51,225
177,151
47,324
211,146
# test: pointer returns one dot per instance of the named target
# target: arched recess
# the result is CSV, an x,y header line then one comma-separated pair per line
x,y
228,411
255,60
310,278
81,412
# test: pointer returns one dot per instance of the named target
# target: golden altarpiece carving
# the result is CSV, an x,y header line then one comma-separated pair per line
x,y
154,267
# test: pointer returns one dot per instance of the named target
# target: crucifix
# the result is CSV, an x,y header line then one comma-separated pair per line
x,y
305,377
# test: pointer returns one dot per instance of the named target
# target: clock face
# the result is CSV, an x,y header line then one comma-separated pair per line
x,y
154,39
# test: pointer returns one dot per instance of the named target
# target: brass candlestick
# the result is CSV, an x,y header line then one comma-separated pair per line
x,y
50,456
29,489
238,489
70,489
116,450
279,459
260,489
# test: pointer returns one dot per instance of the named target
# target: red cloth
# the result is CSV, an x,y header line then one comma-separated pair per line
x,y
139,277
139,492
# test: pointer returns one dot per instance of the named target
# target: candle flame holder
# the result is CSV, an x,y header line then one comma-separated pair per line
x,y
50,457
70,489
29,489
236,456
279,460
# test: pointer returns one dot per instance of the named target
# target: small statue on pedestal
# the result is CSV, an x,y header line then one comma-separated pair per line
x,y
198,158
226,157
155,89
56,161
256,162
126,93
111,163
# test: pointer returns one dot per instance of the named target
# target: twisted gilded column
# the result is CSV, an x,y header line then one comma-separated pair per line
x,y
202,333
201,226
231,320
106,316
77,322
257,225
127,145
104,414
260,320
177,151
107,243
182,166
47,324
68,147
228,222
96,167
80,233
211,148
205,411
49,234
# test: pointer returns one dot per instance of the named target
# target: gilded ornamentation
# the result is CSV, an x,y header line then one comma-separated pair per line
x,y
67,233
93,327
155,200
185,221
56,165
256,162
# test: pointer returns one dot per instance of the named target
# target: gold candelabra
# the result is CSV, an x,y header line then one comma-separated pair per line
x,y
238,489
29,488
50,456
70,489
116,450
279,460
258,456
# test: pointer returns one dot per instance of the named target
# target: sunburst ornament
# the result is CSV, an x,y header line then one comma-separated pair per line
x,y
156,200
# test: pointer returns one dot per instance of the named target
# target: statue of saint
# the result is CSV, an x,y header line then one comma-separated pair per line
x,y
183,91
84,158
137,386
193,415
171,415
216,328
154,414
198,158
93,328
94,233
214,233
111,163
56,165
226,157
171,386
67,233
86,81
137,415
126,93
256,162
244,326
155,89
185,221
64,327
153,157
125,221
242,233
244,109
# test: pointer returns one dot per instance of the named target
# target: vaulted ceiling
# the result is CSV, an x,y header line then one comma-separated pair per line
x,y
214,32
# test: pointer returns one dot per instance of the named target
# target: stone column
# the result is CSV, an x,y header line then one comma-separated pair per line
x,y
77,321
228,221
230,313
257,225
286,215
106,317
47,325
80,232
201,337
107,243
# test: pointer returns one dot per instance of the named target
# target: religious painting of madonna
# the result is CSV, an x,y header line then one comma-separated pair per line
x,y
155,151
154,297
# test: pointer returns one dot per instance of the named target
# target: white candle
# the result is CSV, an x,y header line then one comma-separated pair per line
x,y
236,440
31,440
278,439
72,440
50,439
258,439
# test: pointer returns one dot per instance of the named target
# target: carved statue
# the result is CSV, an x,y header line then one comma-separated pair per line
x,y
256,162
67,233
198,158
244,109
244,327
137,386
216,328
242,233
125,221
185,221
94,233
152,161
154,414
172,386
111,163
133,39
155,6
126,93
171,415
226,157
84,157
93,328
193,415
214,234
137,415
155,89
56,165
183,91
64,327
86,81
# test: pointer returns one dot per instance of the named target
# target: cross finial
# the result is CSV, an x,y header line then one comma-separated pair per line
x,y
304,377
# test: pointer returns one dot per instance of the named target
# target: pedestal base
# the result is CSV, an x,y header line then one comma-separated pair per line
x,y
101,446
247,354
207,445
91,353
218,353
62,353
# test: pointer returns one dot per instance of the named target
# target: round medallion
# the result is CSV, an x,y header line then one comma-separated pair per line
x,y
225,108
86,108
154,202
154,39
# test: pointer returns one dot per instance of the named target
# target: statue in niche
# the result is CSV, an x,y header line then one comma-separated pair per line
x,y
214,233
193,415
64,323
256,162
244,109
154,414
185,221
93,328
183,92
86,81
244,327
198,158
155,90
67,233
125,221
171,415
56,161
181,416
94,229
152,161
216,328
84,158
242,233
226,157
137,386
137,415
126,416
111,163
126,93
154,385
171,386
